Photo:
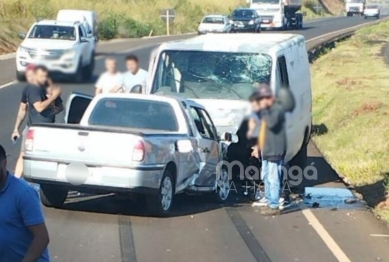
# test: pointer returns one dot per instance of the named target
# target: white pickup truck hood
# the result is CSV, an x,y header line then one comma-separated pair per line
x,y
227,115
54,44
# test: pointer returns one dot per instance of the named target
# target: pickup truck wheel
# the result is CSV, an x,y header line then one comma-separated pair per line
x,y
53,196
20,76
222,187
161,204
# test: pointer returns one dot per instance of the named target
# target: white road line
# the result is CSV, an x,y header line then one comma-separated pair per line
x,y
325,236
8,84
378,235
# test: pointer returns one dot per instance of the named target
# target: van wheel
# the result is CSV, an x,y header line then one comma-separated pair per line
x,y
20,76
300,159
53,196
161,204
222,191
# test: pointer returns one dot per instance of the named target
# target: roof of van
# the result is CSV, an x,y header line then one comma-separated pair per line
x,y
234,42
55,22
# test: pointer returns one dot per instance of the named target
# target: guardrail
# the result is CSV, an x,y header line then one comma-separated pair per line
x,y
318,45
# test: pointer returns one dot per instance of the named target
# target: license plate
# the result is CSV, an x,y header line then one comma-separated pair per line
x,y
265,21
240,25
94,174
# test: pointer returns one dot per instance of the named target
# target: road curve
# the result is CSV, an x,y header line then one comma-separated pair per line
x,y
108,228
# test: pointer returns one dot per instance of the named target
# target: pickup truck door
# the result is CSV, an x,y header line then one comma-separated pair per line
x,y
76,106
84,45
208,146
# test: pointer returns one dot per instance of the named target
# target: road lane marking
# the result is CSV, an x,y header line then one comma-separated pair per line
x,y
8,84
378,235
248,237
325,236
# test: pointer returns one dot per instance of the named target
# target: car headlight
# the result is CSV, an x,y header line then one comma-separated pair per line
x,y
23,49
231,22
251,22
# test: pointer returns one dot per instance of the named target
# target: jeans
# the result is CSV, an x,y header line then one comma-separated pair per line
x,y
272,172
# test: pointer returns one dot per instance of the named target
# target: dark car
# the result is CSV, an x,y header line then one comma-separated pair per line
x,y
245,20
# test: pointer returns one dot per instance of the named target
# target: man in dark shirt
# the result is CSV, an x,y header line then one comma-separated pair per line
x,y
39,107
23,233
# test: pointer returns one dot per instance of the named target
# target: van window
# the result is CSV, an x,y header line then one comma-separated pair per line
x,y
283,71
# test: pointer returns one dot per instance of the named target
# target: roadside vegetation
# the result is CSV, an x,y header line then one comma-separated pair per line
x,y
351,106
118,18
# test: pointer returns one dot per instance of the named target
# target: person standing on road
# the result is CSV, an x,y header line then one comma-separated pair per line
x,y
22,113
111,80
135,75
23,233
272,144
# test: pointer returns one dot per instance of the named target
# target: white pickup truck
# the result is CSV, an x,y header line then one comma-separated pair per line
x,y
64,47
128,143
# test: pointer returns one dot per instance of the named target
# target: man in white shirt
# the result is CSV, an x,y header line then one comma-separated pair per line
x,y
135,75
111,80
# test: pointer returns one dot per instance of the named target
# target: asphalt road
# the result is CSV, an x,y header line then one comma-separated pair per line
x,y
108,228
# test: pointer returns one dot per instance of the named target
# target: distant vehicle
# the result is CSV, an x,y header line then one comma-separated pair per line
x,y
355,7
128,143
220,72
72,15
245,20
279,14
214,24
372,11
64,48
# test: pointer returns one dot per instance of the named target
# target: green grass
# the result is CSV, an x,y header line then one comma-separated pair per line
x,y
118,18
350,97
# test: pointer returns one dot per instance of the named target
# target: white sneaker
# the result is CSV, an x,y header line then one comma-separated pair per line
x,y
260,203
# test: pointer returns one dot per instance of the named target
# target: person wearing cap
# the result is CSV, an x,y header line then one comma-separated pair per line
x,y
23,232
21,116
272,144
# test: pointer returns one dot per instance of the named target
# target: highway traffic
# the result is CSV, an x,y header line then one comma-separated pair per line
x,y
109,228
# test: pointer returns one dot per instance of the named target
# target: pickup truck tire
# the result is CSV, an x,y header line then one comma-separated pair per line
x,y
160,205
78,76
88,70
53,196
20,76
222,187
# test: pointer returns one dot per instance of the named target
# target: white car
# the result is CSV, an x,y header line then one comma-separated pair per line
x,y
372,11
214,24
63,47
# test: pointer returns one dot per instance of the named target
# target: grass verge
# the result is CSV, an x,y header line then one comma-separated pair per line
x,y
350,100
118,18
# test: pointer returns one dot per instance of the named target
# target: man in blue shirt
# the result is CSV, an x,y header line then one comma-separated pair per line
x,y
23,233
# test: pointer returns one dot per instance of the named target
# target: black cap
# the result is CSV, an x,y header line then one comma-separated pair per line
x,y
254,96
265,91
3,154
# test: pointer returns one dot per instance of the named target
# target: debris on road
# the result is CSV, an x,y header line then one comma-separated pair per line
x,y
315,205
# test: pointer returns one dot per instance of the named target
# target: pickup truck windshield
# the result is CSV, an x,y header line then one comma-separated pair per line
x,y
53,32
243,13
211,75
134,113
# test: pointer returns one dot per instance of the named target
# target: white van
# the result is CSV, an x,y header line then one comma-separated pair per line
x,y
218,71
70,15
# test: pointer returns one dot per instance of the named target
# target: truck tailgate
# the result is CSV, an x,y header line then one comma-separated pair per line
x,y
82,145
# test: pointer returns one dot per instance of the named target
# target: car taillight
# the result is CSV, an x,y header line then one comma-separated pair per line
x,y
29,142
139,151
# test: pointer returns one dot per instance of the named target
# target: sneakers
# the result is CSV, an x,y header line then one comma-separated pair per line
x,y
263,202
270,211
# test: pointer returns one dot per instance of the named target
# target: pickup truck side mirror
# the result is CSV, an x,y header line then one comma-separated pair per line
x,y
228,137
22,36
84,40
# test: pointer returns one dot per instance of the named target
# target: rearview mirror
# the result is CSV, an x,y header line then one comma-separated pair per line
x,y
22,36
228,137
